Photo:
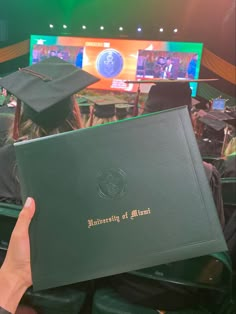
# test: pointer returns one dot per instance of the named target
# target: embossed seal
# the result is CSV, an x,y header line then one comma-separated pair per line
x,y
109,63
111,183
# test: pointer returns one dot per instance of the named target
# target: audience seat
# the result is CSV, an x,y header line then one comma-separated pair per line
x,y
180,285
107,301
63,300
8,216
229,191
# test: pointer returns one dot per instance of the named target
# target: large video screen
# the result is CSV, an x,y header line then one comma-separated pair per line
x,y
116,60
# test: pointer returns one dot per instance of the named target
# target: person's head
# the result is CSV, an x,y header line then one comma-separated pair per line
x,y
60,54
168,61
122,111
4,92
52,53
46,104
168,95
84,112
102,114
161,60
66,120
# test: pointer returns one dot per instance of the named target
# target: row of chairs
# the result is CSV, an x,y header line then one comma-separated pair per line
x,y
212,272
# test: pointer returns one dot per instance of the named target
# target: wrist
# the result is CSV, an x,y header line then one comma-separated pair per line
x,y
13,286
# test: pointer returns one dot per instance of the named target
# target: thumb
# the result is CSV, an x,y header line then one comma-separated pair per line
x,y
26,215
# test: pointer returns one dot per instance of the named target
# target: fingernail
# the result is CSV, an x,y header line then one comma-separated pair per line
x,y
28,202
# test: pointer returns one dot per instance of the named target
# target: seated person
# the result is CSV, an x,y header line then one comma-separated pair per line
x,y
228,170
102,114
168,95
46,107
229,166
153,293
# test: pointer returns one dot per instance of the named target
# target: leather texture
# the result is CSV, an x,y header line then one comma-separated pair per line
x,y
116,198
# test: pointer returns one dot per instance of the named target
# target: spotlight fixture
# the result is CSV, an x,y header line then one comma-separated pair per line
x,y
139,29
120,28
64,26
175,30
84,27
101,28
161,30
51,25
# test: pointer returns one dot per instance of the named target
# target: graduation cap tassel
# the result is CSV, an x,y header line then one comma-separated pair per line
x,y
135,109
76,110
91,116
17,120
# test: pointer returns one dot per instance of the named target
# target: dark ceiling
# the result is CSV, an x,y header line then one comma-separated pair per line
x,y
209,21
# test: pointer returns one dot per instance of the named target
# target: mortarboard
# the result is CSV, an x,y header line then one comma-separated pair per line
x,y
216,119
122,110
170,95
45,89
84,105
166,81
104,105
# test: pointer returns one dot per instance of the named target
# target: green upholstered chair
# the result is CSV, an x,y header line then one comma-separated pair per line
x,y
211,275
229,191
107,301
209,272
229,197
212,272
8,216
64,300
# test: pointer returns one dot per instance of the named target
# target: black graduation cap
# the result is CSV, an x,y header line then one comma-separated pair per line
x,y
104,106
216,119
232,120
213,123
122,110
170,95
84,105
45,89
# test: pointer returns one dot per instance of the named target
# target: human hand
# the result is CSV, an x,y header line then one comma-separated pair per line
x,y
17,261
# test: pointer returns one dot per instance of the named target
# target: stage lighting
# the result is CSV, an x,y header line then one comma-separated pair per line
x,y
51,26
120,28
175,30
64,26
139,29
101,28
161,30
84,27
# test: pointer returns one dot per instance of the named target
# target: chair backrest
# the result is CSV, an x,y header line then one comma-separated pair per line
x,y
211,272
229,191
8,217
63,300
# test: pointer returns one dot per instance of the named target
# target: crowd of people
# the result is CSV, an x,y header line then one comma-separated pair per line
x,y
41,112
